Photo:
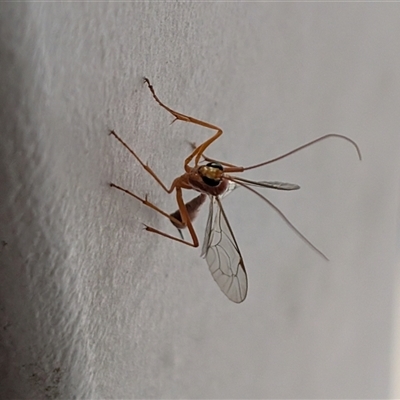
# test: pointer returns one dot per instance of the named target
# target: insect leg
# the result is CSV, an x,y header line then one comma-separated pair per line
x,y
193,207
185,221
147,203
205,158
175,221
182,117
145,166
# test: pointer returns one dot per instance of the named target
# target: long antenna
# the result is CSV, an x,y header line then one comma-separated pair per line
x,y
304,146
281,214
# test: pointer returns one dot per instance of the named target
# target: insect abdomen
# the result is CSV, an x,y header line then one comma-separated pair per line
x,y
192,207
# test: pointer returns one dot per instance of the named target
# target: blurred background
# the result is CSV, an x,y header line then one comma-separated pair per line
x,y
93,306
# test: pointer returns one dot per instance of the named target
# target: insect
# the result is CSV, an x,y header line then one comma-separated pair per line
x,y
213,179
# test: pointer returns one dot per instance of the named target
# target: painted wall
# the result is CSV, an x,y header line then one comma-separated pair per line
x,y
93,306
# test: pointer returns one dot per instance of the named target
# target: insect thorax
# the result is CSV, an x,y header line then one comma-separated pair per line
x,y
211,174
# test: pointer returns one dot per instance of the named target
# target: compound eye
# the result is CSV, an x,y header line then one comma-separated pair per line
x,y
210,181
215,165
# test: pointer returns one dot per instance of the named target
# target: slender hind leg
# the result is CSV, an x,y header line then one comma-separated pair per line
x,y
197,152
145,166
185,218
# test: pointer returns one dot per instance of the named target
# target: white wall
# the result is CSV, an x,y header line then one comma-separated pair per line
x,y
93,306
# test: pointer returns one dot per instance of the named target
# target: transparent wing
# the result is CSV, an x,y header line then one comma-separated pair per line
x,y
270,185
231,187
277,185
223,255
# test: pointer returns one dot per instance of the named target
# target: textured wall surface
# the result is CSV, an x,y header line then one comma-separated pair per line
x,y
92,306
